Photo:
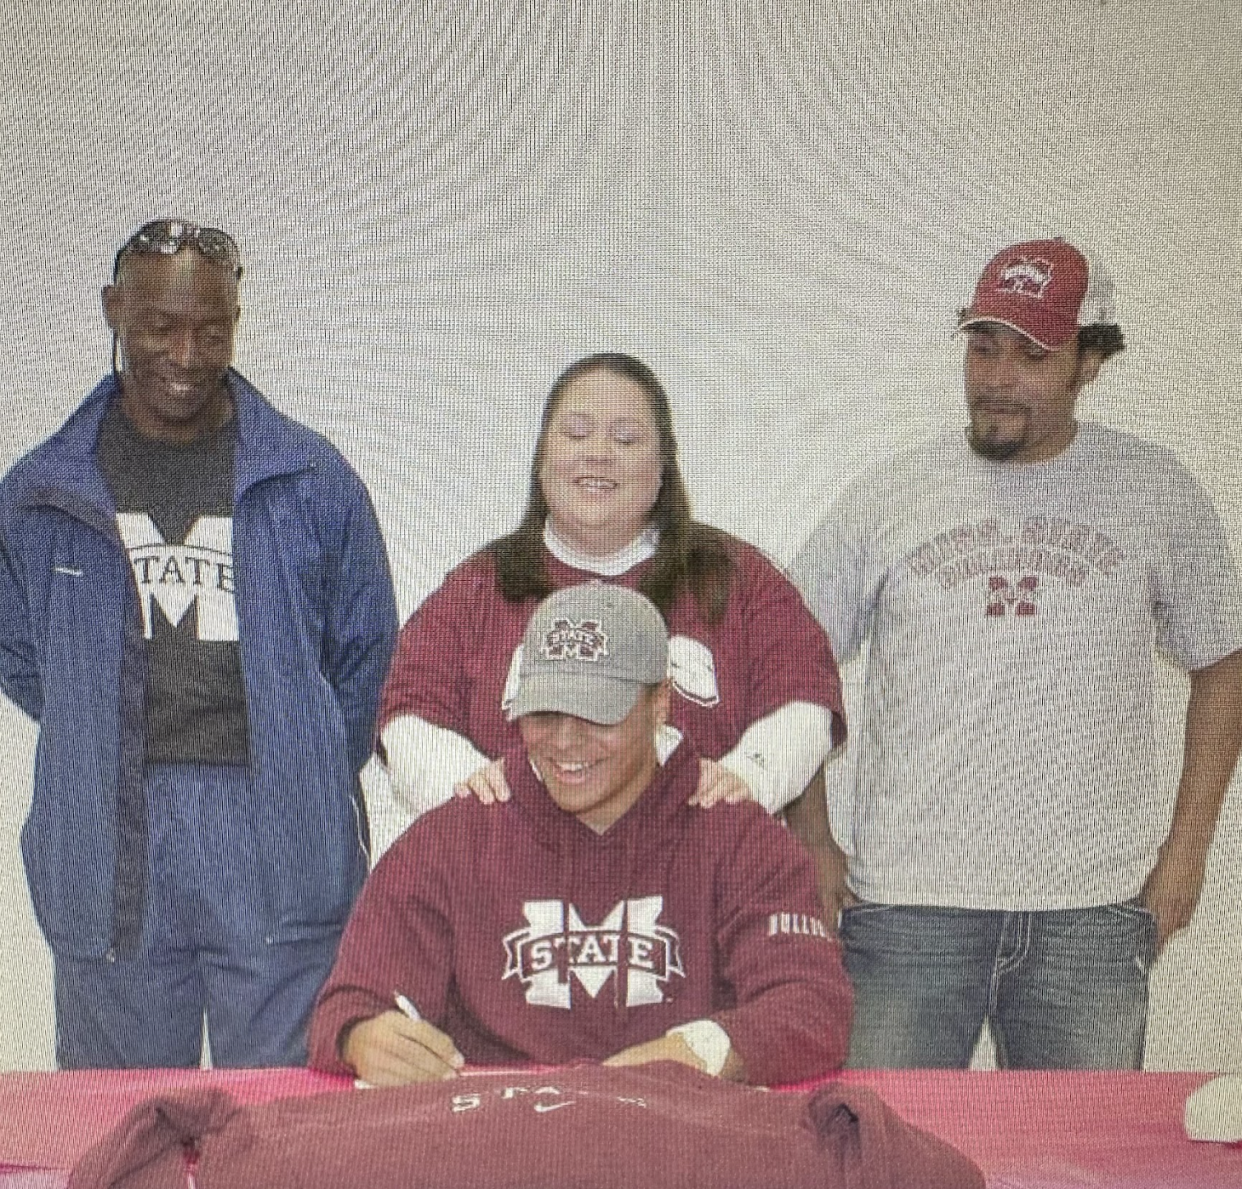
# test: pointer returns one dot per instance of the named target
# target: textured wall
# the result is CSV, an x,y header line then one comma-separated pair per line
x,y
778,206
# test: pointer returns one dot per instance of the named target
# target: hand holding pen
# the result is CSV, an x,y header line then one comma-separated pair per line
x,y
397,1047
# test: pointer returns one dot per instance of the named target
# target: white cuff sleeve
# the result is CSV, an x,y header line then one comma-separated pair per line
x,y
425,761
708,1041
777,755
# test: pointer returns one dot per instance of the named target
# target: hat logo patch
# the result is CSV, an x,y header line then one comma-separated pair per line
x,y
1027,276
566,640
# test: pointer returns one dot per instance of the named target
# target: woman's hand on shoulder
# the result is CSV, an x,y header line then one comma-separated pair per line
x,y
487,784
717,784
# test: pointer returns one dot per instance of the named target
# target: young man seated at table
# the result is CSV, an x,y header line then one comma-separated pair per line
x,y
598,913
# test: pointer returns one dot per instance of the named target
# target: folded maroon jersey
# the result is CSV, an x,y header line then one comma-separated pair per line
x,y
650,1127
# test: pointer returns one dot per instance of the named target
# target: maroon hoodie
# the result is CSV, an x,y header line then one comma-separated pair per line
x,y
528,937
657,1127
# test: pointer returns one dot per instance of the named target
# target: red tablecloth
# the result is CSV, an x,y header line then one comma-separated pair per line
x,y
1025,1130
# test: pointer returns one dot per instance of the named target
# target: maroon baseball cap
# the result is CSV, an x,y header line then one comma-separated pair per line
x,y
1042,288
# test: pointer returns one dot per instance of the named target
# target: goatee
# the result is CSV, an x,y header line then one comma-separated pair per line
x,y
993,449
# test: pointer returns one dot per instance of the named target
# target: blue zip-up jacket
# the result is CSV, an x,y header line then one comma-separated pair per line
x,y
317,621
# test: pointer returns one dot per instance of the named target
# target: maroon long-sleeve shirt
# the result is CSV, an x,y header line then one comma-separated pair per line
x,y
528,937
454,661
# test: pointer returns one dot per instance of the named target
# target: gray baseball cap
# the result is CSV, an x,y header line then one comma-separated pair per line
x,y
588,651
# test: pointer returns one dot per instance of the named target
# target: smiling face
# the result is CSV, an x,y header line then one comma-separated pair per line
x,y
594,772
1020,395
173,317
600,466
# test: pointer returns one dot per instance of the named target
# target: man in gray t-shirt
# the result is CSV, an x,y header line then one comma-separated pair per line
x,y
1011,857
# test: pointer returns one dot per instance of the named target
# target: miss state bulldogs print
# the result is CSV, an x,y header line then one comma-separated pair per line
x,y
1010,566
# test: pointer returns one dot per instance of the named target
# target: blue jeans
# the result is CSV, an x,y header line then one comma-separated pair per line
x,y
1061,989
205,953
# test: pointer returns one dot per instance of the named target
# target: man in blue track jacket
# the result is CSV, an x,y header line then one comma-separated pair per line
x,y
196,606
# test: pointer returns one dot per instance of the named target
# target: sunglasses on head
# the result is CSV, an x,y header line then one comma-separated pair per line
x,y
166,237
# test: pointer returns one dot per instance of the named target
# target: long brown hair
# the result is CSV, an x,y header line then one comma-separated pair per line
x,y
690,556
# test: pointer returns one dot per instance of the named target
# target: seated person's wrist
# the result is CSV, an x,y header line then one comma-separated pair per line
x,y
343,1039
707,1041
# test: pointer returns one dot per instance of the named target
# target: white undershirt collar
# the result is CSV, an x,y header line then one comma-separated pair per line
x,y
612,565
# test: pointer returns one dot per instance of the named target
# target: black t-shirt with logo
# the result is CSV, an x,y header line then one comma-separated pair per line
x,y
175,517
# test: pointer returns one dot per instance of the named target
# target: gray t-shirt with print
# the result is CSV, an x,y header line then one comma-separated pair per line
x,y
1006,757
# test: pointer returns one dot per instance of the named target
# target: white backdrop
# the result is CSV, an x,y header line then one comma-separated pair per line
x,y
779,206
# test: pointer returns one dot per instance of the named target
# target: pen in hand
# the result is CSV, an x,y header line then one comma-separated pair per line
x,y
450,1056
405,1007
410,1011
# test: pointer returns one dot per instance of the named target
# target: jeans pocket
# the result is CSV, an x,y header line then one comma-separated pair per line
x,y
1134,910
867,920
865,908
1137,914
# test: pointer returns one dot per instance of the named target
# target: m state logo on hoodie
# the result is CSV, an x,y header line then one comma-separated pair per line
x,y
557,949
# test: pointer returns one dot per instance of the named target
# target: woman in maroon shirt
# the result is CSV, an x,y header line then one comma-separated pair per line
x,y
754,681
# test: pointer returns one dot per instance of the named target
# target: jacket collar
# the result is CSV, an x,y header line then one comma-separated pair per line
x,y
268,443
65,472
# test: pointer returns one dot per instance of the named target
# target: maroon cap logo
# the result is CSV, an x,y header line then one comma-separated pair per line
x,y
566,640
1028,276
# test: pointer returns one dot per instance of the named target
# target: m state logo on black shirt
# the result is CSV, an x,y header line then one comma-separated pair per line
x,y
198,573
557,949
